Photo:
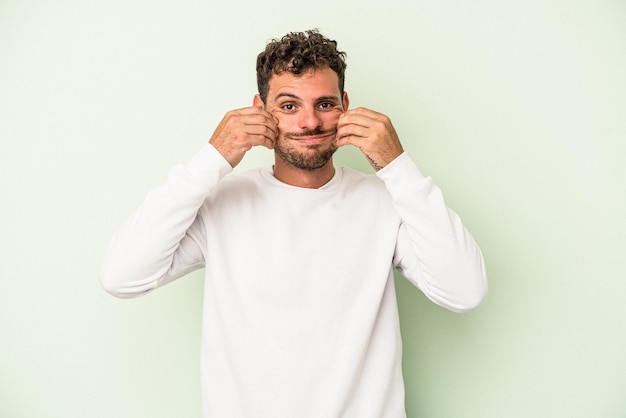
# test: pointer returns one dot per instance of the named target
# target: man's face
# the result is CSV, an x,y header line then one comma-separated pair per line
x,y
307,108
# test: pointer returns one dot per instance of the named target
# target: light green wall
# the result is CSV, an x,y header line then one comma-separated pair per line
x,y
516,108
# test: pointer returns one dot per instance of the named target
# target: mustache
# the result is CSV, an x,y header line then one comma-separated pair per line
x,y
312,132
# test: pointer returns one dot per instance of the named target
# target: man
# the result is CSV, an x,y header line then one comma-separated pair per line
x,y
300,316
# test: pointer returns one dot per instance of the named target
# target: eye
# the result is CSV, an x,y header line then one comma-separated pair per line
x,y
289,107
326,105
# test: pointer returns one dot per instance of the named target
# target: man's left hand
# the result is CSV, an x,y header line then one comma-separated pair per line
x,y
372,133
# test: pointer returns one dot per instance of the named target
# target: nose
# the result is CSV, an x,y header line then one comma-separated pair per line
x,y
309,119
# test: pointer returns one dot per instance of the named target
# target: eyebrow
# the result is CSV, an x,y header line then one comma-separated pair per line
x,y
280,95
293,96
328,98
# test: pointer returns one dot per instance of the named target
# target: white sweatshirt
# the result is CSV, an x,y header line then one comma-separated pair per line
x,y
300,315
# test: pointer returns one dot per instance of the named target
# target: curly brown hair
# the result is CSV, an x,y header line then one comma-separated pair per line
x,y
298,52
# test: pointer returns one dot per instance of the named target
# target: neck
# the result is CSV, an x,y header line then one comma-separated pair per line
x,y
310,179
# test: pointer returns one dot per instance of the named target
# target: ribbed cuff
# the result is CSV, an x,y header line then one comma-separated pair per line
x,y
208,166
401,170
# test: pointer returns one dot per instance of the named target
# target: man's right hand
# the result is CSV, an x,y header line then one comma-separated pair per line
x,y
242,129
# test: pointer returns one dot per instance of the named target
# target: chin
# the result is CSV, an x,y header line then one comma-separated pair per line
x,y
307,160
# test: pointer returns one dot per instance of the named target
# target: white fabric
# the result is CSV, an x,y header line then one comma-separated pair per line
x,y
300,316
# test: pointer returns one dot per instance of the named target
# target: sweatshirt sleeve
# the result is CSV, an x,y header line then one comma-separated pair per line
x,y
434,250
164,238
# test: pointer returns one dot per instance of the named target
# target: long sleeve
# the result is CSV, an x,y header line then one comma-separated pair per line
x,y
434,250
164,238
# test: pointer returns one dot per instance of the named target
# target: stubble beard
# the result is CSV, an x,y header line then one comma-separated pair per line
x,y
315,157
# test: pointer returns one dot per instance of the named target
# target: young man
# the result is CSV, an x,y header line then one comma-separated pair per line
x,y
300,316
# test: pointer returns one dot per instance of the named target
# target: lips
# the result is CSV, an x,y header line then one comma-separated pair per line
x,y
313,137
312,140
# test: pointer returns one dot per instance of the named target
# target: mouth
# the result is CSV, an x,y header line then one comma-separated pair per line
x,y
312,138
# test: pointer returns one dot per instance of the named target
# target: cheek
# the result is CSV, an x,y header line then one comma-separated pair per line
x,y
286,123
283,126
332,118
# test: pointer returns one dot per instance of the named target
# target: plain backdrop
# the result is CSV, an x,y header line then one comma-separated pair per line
x,y
516,108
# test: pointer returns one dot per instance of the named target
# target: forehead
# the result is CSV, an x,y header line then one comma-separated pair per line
x,y
311,84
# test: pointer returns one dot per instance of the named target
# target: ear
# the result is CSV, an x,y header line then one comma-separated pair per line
x,y
346,101
257,102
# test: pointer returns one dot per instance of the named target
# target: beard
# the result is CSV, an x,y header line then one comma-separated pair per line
x,y
314,157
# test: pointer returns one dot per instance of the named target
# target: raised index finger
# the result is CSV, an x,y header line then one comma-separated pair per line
x,y
359,116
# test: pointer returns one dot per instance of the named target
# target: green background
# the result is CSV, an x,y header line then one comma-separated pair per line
x,y
516,108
